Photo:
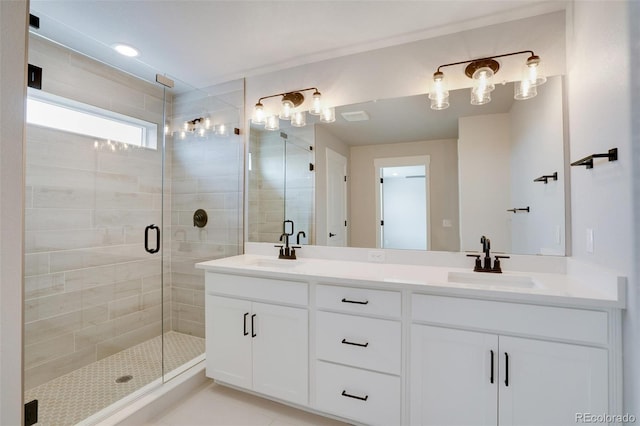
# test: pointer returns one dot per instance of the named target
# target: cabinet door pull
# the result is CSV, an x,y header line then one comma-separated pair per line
x,y
355,344
244,323
506,369
491,378
344,393
355,301
253,333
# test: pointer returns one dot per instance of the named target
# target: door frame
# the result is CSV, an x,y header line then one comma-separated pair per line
x,y
415,160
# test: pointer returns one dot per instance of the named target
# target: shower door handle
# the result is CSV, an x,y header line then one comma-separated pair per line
x,y
146,239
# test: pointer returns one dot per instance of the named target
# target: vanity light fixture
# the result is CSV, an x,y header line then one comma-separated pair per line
x,y
201,127
287,111
482,72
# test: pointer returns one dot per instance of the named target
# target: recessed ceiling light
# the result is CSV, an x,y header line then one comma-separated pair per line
x,y
126,50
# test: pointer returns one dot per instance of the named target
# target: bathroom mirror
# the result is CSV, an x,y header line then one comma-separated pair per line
x,y
497,170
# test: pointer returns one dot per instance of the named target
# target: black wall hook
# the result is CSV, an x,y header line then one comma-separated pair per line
x,y
612,155
546,178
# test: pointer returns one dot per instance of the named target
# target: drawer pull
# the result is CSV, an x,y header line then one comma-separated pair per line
x,y
246,333
355,301
344,393
355,344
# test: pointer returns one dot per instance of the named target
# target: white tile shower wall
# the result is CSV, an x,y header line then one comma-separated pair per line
x,y
207,173
90,287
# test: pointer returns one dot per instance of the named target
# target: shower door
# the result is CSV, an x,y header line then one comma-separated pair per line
x,y
93,245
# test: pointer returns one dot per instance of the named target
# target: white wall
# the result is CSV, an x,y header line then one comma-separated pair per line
x,y
537,149
600,101
484,165
13,42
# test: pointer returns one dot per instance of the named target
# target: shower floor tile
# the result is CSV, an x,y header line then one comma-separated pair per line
x,y
75,396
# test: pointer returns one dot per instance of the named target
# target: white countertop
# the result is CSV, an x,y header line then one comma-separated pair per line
x,y
530,287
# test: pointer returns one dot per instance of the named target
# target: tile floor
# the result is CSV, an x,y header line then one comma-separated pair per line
x,y
215,405
83,392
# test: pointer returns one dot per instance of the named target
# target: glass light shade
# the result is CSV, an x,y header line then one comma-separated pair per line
x,y
524,90
328,115
287,110
207,123
221,130
258,114
272,123
480,97
534,72
299,119
483,80
201,132
316,106
439,95
482,86
183,135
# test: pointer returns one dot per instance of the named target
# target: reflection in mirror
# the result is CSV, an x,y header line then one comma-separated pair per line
x,y
482,164
281,184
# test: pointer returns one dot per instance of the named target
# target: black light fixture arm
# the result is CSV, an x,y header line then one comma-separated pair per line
x,y
486,58
286,93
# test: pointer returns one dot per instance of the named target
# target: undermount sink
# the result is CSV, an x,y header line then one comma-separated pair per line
x,y
485,278
274,263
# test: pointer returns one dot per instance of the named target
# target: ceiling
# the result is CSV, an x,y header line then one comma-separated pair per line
x,y
206,42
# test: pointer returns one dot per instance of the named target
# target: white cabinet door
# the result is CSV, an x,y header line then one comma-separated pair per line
x,y
280,352
451,377
549,383
228,340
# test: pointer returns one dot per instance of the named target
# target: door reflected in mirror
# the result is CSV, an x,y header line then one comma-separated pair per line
x,y
479,179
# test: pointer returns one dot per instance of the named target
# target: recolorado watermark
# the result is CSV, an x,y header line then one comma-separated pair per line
x,y
605,418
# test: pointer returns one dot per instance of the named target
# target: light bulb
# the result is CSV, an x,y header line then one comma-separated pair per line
x,y
316,107
185,126
533,71
207,123
299,119
258,114
439,95
272,123
482,86
287,107
524,90
221,130
328,115
201,132
183,135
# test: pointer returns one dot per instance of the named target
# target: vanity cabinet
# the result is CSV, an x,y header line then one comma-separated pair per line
x,y
359,353
256,345
498,378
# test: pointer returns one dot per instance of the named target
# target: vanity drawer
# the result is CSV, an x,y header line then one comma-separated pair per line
x,y
581,325
364,396
263,289
369,343
359,300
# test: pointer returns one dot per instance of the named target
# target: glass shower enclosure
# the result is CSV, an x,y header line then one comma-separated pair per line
x,y
117,167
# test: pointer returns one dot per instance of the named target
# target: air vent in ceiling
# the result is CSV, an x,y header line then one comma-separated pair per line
x,y
355,116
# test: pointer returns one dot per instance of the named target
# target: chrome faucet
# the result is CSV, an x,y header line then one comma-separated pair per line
x,y
479,267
